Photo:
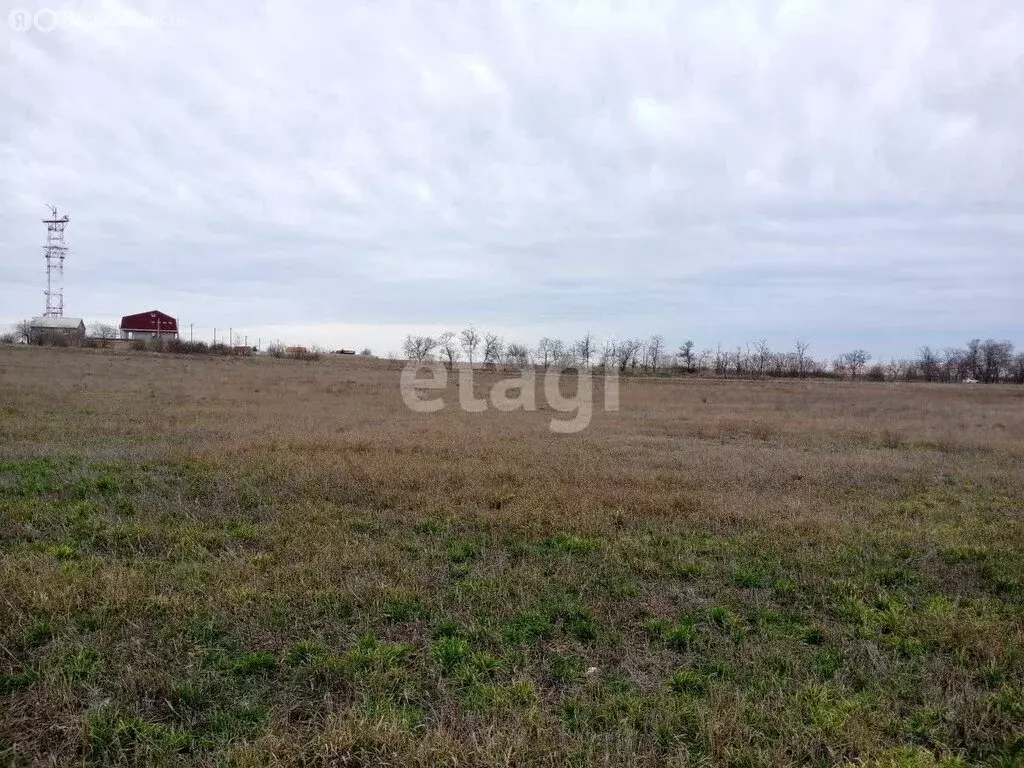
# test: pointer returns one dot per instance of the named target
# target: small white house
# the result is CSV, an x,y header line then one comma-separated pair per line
x,y
43,328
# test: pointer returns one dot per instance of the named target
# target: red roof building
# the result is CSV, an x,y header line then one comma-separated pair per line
x,y
149,325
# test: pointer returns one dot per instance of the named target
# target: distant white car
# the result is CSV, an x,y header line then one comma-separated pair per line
x,y
970,381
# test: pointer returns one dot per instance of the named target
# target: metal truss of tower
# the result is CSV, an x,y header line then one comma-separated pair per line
x,y
55,252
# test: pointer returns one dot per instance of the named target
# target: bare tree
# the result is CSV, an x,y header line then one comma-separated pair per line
x,y
900,370
545,351
954,364
448,348
972,358
561,354
762,356
686,355
103,331
493,347
607,354
721,361
469,338
8,337
928,363
23,331
517,355
551,352
366,352
584,349
1017,369
704,360
626,353
995,359
802,347
655,351
419,348
854,361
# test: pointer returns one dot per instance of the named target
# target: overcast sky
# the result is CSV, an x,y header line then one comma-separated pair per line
x,y
343,173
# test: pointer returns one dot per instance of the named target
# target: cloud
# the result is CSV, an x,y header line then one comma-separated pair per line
x,y
721,171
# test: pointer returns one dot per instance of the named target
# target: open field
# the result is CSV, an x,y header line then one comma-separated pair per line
x,y
252,561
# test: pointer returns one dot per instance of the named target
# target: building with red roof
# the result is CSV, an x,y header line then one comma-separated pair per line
x,y
149,325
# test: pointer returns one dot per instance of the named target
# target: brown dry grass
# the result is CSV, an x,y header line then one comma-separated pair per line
x,y
249,493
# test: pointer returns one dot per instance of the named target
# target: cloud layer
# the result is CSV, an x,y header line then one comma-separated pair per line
x,y
849,172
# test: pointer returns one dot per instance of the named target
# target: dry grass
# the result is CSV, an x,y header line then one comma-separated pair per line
x,y
250,561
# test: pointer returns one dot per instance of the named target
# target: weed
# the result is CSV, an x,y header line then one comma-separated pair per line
x,y
688,681
81,663
448,628
254,663
565,668
372,656
678,635
402,607
235,721
491,697
463,551
688,571
747,578
17,681
455,656
784,589
569,544
527,628
38,633
117,738
302,654
62,551
580,623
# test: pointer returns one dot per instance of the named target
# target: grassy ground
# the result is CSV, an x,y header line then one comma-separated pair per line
x,y
248,562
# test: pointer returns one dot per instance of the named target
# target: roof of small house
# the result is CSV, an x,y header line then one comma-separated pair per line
x,y
57,323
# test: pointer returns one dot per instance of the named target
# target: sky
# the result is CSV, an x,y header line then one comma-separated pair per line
x,y
849,172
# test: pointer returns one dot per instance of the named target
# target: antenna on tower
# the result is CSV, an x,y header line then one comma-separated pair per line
x,y
55,252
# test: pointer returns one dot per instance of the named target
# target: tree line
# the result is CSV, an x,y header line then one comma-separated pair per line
x,y
988,361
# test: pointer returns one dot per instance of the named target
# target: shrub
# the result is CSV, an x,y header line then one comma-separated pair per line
x,y
179,346
52,339
301,353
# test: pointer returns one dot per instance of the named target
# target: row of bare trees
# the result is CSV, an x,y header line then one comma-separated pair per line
x,y
988,361
632,355
985,361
